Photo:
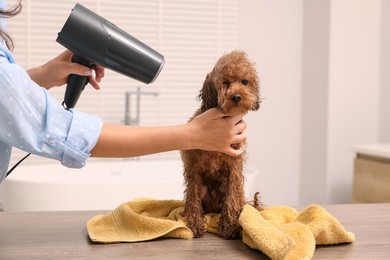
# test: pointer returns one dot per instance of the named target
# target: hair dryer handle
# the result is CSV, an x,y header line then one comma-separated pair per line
x,y
76,84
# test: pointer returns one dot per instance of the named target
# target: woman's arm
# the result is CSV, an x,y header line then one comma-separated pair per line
x,y
210,131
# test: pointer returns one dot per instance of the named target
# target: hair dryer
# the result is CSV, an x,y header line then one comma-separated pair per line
x,y
94,40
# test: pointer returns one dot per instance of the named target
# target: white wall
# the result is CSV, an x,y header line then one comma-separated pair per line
x,y
271,33
341,93
353,103
315,82
384,108
320,63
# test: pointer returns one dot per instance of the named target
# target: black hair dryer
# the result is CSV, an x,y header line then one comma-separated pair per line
x,y
94,40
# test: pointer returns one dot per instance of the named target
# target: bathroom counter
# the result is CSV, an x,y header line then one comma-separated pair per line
x,y
63,235
371,177
374,150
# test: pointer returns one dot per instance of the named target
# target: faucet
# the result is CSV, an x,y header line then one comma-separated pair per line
x,y
129,119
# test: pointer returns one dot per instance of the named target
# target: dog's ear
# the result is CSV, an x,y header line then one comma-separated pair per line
x,y
208,95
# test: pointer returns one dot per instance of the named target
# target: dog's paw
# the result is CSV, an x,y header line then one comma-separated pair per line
x,y
229,230
198,231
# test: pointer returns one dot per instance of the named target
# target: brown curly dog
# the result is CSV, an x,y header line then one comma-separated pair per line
x,y
214,181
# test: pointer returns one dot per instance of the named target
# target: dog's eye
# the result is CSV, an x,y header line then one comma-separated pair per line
x,y
244,82
226,83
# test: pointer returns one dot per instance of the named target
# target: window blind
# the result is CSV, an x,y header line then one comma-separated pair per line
x,y
191,34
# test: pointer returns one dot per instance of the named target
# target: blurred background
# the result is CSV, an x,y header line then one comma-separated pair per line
x,y
323,67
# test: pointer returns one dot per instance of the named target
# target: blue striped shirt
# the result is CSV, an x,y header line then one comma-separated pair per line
x,y
34,121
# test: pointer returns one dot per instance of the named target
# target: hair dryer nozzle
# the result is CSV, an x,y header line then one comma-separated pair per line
x,y
95,39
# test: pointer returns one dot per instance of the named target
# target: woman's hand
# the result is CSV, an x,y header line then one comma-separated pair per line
x,y
215,131
55,72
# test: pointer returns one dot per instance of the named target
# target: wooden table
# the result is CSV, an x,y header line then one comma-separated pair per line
x,y
63,235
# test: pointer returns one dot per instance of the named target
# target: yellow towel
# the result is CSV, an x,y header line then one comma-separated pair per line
x,y
280,232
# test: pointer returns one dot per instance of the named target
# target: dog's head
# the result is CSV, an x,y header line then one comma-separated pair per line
x,y
232,85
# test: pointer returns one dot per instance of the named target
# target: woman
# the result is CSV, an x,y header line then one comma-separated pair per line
x,y
33,121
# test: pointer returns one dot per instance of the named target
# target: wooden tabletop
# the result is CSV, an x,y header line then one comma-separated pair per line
x,y
63,235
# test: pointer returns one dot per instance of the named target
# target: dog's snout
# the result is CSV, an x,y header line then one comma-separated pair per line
x,y
236,98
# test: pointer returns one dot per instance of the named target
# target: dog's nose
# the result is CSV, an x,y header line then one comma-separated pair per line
x,y
236,98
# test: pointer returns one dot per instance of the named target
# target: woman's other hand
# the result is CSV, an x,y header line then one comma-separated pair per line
x,y
56,71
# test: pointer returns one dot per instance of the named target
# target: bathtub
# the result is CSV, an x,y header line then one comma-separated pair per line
x,y
100,185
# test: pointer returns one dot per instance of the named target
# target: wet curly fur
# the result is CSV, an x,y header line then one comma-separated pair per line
x,y
214,181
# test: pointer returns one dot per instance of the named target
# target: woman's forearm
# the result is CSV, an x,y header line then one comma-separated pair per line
x,y
129,141
210,131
